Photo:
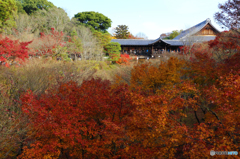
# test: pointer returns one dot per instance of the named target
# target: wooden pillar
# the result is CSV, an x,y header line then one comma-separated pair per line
x,y
152,50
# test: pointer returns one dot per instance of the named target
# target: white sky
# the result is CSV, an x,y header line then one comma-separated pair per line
x,y
151,17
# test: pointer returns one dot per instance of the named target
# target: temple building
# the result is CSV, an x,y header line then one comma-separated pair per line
x,y
201,32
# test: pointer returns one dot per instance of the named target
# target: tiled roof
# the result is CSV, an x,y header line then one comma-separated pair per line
x,y
198,38
194,29
137,42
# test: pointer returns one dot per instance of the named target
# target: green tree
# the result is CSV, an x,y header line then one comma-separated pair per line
x,y
103,38
113,50
174,34
94,20
20,7
74,44
74,32
7,10
122,32
31,6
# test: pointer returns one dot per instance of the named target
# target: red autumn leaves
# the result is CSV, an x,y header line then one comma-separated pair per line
x,y
75,121
11,50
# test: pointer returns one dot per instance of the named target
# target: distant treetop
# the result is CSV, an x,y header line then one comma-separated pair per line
x,y
94,20
31,6
173,34
121,32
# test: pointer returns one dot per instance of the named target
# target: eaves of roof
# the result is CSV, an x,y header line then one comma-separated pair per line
x,y
132,42
140,42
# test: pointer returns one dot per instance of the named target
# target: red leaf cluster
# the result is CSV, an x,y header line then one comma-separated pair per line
x,y
11,50
124,59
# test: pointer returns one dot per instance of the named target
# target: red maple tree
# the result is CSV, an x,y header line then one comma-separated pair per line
x,y
12,50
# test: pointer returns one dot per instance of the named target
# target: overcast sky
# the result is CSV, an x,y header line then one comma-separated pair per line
x,y
151,17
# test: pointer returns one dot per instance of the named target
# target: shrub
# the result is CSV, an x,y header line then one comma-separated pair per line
x,y
113,50
124,59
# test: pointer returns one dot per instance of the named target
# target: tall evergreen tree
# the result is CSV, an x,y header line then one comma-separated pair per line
x,y
113,50
122,32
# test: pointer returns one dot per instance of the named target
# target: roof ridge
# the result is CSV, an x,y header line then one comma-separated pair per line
x,y
205,21
133,39
191,31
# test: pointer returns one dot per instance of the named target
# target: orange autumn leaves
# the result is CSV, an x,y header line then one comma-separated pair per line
x,y
166,75
93,120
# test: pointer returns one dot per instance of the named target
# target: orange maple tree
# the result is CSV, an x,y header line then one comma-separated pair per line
x,y
149,77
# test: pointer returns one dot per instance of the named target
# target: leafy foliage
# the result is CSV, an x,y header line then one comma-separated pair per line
x,y
37,75
74,45
67,127
149,77
124,59
7,10
20,9
174,34
121,32
113,50
31,6
94,20
103,38
225,45
11,50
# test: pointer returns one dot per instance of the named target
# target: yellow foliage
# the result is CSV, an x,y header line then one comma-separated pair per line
x,y
113,37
